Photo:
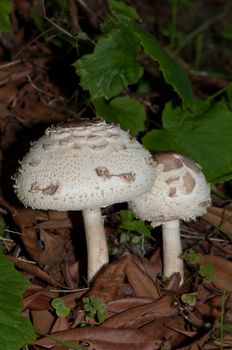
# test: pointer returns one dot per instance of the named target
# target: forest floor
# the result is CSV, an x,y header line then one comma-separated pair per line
x,y
141,311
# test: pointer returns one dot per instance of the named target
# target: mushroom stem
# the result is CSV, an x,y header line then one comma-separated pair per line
x,y
95,241
172,249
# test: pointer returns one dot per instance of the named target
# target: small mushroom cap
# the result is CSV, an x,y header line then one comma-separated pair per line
x,y
75,167
180,191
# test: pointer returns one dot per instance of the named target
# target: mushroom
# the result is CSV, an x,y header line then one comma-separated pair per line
x,y
85,166
179,192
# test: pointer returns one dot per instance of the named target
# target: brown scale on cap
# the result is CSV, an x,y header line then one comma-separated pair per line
x,y
168,160
188,182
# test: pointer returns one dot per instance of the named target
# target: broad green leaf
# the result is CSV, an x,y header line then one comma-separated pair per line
x,y
203,135
5,10
173,73
126,111
120,15
15,330
120,9
112,66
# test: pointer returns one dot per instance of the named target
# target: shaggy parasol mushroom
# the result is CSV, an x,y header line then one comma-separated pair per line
x,y
180,192
85,167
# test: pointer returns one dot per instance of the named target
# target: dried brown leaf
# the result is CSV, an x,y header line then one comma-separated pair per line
x,y
220,218
35,271
222,270
169,329
42,320
140,279
109,280
140,315
100,338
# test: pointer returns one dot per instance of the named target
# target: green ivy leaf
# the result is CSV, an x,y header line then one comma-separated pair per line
x,y
15,330
173,73
112,66
203,134
5,11
126,111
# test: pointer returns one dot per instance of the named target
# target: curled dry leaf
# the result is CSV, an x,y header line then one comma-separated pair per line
x,y
35,271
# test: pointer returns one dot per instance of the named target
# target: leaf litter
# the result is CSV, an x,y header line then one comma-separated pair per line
x,y
141,310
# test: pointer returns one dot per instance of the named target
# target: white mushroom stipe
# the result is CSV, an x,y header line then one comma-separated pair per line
x,y
179,192
172,249
81,167
95,240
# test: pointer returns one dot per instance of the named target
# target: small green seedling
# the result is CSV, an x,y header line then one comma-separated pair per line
x,y
132,230
61,309
191,257
189,299
206,271
94,309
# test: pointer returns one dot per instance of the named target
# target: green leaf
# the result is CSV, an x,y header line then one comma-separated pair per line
x,y
126,111
191,256
227,327
126,215
203,134
112,66
5,10
94,307
61,309
207,271
119,10
173,73
15,330
121,15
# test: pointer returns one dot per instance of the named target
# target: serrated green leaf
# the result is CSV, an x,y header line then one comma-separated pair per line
x,y
126,111
15,330
120,15
112,66
203,135
173,73
5,10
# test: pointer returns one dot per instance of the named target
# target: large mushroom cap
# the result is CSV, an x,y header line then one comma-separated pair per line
x,y
85,166
180,191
